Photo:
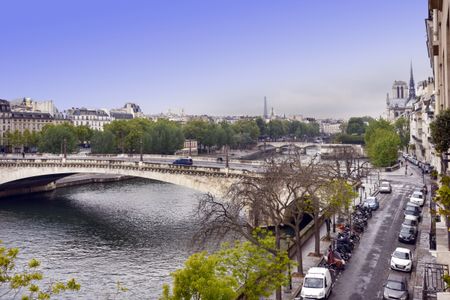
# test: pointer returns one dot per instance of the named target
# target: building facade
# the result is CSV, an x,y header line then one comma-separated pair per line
x,y
422,115
399,101
93,118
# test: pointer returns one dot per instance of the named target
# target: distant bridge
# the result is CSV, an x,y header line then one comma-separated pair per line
x,y
44,171
323,148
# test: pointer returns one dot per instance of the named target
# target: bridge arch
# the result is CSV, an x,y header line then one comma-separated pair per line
x,y
204,179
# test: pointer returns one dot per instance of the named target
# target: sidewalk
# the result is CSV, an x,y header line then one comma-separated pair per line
x,y
308,262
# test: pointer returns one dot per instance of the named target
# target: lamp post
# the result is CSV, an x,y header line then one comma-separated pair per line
x,y
141,159
65,148
226,157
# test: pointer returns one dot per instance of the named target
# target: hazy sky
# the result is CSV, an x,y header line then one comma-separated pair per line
x,y
331,58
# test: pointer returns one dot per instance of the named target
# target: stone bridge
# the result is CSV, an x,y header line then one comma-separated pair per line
x,y
322,148
15,173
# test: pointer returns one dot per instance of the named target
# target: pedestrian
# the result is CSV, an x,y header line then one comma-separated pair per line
x,y
23,154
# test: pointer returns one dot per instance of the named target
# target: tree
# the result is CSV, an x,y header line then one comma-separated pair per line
x,y
261,125
402,128
26,281
103,142
257,271
276,129
382,143
83,133
373,126
383,148
440,133
356,126
239,269
15,138
53,138
201,278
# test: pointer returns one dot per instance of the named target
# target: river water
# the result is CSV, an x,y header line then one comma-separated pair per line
x,y
135,231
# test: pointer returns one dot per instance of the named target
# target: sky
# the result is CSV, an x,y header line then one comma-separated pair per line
x,y
330,58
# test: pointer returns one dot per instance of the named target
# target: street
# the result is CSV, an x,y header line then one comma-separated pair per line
x,y
369,266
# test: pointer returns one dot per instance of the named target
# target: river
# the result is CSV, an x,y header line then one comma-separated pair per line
x,y
135,231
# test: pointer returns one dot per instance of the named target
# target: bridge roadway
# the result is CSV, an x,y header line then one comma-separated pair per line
x,y
204,175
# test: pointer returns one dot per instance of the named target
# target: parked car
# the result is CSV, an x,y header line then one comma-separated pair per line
x,y
417,197
183,161
413,210
402,259
408,234
396,287
371,202
385,187
410,221
317,284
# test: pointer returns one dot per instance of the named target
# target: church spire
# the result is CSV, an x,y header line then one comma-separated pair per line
x,y
412,89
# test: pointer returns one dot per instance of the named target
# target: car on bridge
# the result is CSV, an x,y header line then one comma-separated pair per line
x,y
183,161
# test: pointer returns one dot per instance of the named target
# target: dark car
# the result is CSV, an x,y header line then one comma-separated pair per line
x,y
395,287
414,211
371,202
183,161
408,235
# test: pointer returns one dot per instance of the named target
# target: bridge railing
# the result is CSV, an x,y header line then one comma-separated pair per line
x,y
109,163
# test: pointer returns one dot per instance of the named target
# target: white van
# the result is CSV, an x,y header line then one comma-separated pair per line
x,y
316,284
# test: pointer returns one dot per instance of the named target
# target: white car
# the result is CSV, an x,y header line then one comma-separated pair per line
x,y
417,198
385,187
317,284
402,259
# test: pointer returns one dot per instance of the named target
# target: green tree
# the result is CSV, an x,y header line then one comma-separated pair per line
x,y
83,133
373,126
276,129
26,281
165,137
383,147
356,126
262,126
402,127
201,278
103,142
53,138
257,271
15,138
238,269
246,133
120,130
440,133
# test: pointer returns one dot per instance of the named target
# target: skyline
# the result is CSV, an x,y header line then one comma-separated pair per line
x,y
329,59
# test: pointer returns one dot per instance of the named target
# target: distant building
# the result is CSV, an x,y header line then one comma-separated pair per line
x,y
399,102
330,127
128,109
421,117
190,148
21,118
93,118
28,104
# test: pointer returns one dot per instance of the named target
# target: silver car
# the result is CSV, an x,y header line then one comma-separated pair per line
x,y
385,187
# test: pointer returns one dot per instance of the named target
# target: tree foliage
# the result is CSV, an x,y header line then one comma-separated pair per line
x,y
356,126
382,143
440,131
240,268
402,128
26,281
53,138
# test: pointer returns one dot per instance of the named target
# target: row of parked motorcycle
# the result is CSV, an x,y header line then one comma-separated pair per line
x,y
340,251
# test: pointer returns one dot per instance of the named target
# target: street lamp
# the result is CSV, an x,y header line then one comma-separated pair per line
x,y
141,149
65,148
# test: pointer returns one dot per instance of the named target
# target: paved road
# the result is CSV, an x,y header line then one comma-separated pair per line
x,y
370,264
